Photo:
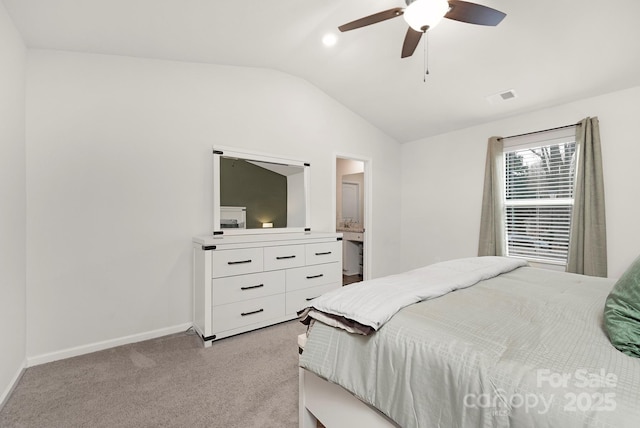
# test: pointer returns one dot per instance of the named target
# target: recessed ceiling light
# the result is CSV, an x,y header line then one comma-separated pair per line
x,y
329,39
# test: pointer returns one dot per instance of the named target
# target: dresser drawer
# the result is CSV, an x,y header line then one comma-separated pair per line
x,y
237,262
283,257
323,252
311,276
240,314
296,300
242,287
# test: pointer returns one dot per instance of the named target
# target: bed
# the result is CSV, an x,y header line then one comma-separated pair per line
x,y
523,348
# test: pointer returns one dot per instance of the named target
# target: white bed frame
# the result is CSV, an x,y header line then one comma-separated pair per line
x,y
332,405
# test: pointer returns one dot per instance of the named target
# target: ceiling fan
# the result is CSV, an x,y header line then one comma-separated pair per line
x,y
422,15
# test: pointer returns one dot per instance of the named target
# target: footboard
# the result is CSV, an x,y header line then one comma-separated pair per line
x,y
332,405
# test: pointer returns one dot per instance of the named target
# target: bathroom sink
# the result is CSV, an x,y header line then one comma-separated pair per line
x,y
350,229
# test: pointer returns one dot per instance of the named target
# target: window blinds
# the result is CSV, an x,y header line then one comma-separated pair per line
x,y
538,198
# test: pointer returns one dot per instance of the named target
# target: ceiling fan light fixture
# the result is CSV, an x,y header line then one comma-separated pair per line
x,y
329,39
422,15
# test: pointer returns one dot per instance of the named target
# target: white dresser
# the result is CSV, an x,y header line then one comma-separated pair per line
x,y
245,282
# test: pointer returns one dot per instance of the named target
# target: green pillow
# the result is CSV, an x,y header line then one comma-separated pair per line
x,y
622,312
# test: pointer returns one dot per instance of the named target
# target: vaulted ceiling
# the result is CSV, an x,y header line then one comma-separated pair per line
x,y
547,51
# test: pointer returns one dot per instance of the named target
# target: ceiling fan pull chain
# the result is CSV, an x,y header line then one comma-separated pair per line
x,y
426,57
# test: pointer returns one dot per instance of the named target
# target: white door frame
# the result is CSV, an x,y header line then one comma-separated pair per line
x,y
368,211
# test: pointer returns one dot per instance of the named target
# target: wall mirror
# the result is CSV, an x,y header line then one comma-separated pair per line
x,y
258,193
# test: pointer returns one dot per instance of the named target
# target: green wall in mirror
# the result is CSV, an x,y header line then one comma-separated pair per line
x,y
261,191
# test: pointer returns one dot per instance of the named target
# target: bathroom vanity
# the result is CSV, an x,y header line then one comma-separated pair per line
x,y
352,252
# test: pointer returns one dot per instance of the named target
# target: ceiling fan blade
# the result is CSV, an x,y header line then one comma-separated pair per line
x,y
474,13
372,19
411,41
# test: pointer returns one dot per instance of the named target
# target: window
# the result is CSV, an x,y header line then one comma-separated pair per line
x,y
538,195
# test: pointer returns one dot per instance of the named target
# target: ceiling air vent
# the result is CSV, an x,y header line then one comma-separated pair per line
x,y
502,96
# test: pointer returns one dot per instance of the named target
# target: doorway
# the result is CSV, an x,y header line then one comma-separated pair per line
x,y
353,216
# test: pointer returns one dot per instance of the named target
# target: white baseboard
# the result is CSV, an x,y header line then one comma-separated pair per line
x,y
106,344
12,385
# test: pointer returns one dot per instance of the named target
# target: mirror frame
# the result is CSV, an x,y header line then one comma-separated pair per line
x,y
218,152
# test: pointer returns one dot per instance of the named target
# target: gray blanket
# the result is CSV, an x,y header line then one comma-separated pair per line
x,y
365,306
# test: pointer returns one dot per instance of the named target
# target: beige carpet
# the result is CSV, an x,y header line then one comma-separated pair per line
x,y
250,380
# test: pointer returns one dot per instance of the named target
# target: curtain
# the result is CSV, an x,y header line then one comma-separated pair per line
x,y
492,241
588,239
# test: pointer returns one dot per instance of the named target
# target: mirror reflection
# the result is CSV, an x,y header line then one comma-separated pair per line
x,y
260,195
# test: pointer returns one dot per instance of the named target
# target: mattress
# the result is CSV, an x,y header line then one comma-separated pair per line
x,y
524,349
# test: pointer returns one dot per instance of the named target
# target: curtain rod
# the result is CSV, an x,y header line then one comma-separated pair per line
x,y
538,132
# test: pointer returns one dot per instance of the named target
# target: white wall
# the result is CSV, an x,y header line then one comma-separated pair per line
x,y
13,204
119,180
442,179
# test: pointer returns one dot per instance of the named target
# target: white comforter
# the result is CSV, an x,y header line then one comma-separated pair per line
x,y
364,307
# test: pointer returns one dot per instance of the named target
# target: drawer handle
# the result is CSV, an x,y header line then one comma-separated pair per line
x,y
315,276
285,257
323,254
308,299
244,314
239,262
250,287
